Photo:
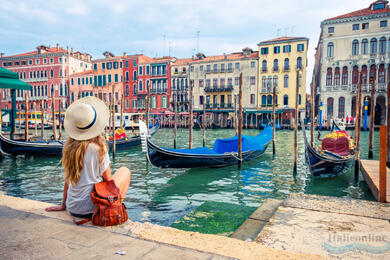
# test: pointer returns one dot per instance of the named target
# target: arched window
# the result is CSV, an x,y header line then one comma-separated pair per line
x,y
285,100
382,45
373,46
285,81
373,71
134,75
329,106
337,76
299,99
299,63
269,84
345,76
263,83
330,50
263,100
364,74
127,76
264,66
127,91
329,77
275,83
276,65
355,75
61,90
286,64
341,107
355,47
140,85
269,100
381,74
364,46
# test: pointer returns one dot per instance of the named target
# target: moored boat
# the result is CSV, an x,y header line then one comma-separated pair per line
x,y
224,152
325,163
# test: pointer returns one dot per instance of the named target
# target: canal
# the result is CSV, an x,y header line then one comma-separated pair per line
x,y
162,196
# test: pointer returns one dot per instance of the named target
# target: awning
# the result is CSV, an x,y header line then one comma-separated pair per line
x,y
10,79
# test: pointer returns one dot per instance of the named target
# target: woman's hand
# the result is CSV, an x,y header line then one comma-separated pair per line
x,y
56,208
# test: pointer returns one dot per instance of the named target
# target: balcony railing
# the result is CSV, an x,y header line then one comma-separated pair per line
x,y
230,70
220,89
35,79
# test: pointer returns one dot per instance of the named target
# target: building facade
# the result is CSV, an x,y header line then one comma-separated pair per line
x,y
216,83
280,61
180,84
353,45
47,70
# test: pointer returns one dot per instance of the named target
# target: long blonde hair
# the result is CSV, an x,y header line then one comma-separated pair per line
x,y
73,156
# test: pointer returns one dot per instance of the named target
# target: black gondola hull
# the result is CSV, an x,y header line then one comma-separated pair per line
x,y
162,158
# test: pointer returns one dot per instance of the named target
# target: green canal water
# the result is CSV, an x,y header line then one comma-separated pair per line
x,y
162,196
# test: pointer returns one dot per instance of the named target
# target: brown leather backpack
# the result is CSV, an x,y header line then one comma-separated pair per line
x,y
109,209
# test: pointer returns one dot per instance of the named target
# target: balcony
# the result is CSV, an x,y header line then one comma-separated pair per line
x,y
34,80
382,87
220,89
226,105
230,70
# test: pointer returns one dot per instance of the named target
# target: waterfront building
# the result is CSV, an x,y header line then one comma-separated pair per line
x,y
108,73
130,82
81,85
350,45
216,83
279,61
180,84
47,70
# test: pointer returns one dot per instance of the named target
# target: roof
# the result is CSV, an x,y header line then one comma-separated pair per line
x,y
231,56
46,51
181,62
81,73
363,12
283,39
144,59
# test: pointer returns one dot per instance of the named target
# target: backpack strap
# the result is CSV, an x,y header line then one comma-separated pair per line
x,y
82,221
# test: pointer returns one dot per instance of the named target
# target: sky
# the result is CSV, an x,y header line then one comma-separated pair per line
x,y
163,27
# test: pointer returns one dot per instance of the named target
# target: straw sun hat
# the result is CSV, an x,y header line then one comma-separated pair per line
x,y
86,118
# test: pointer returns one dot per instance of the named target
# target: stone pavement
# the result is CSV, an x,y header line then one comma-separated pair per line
x,y
28,232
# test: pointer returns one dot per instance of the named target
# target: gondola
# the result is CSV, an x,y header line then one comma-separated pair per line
x,y
224,152
54,148
326,164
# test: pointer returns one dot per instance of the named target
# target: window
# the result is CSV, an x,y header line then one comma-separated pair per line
x,y
115,65
29,62
299,63
285,81
337,76
285,100
264,51
253,64
134,63
364,26
230,82
355,27
201,68
127,76
109,78
207,83
208,68
341,107
237,65
381,74
215,83
140,70
275,83
51,74
153,103
127,64
364,46
95,66
263,100
37,61
379,6
330,50
103,66
299,99
201,100
253,80
201,83
263,84
383,23
276,65
222,83
230,67
222,67
329,77
287,48
355,47
373,46
277,49
300,47
147,70
237,81
330,29
252,99
382,45
215,68
116,77
264,66
345,76
286,64
140,87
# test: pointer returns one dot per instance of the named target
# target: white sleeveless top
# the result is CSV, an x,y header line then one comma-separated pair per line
x,y
79,200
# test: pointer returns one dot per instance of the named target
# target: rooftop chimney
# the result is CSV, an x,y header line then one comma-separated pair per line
x,y
58,47
2,54
124,54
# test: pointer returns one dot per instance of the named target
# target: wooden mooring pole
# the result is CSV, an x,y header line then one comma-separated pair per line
x,y
190,126
175,126
239,144
59,119
35,119
372,116
388,124
113,122
382,163
204,122
312,111
274,119
296,123
42,118
122,107
26,118
53,107
357,127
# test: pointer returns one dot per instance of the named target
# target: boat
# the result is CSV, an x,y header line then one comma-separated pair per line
x,y
224,152
324,163
54,148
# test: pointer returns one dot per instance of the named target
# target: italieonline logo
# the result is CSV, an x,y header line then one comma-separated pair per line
x,y
376,243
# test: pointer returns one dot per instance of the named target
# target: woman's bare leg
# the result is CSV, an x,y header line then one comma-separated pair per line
x,y
122,180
